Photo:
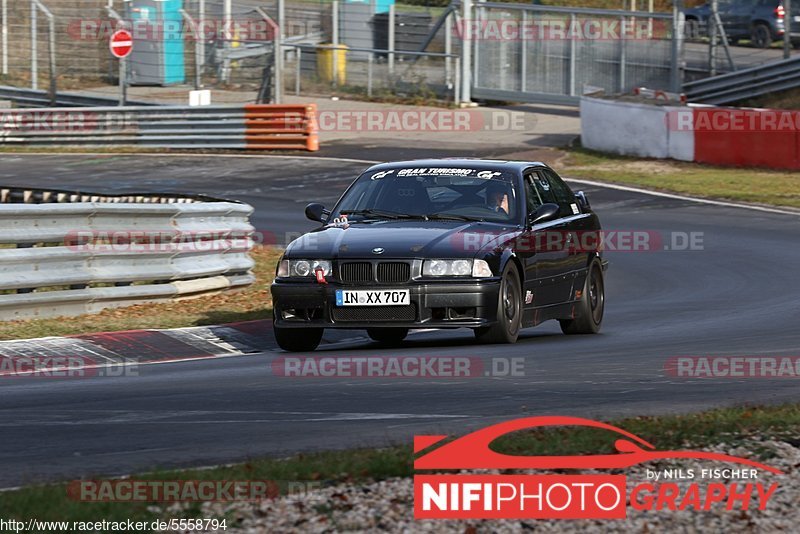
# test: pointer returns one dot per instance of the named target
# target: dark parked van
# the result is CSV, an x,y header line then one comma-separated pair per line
x,y
760,21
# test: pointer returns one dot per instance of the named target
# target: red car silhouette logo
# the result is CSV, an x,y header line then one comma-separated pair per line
x,y
472,450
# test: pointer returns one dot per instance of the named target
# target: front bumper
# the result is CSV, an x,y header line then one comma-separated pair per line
x,y
433,305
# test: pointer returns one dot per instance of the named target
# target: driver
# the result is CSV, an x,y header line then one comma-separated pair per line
x,y
497,197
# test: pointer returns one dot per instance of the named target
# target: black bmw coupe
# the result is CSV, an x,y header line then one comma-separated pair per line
x,y
495,246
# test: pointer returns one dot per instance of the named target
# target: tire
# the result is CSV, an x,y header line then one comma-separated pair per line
x,y
298,339
761,36
509,310
388,336
590,308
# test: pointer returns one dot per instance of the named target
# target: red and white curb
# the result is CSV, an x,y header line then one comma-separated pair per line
x,y
53,356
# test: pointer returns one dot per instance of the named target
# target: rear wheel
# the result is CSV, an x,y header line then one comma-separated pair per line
x,y
387,336
298,339
591,306
509,310
761,36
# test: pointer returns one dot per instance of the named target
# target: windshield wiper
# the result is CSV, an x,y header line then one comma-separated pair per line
x,y
384,214
451,217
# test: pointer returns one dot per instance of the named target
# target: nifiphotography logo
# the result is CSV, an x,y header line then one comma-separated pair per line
x,y
578,496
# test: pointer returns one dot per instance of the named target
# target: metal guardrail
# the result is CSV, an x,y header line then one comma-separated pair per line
x,y
250,126
745,83
69,253
32,98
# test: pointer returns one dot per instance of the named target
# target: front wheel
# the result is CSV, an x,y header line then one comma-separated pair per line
x,y
590,307
298,339
387,336
509,310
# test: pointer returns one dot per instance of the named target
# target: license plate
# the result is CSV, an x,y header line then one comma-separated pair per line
x,y
377,297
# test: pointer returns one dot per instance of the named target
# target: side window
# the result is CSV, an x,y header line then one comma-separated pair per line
x,y
565,198
543,188
532,199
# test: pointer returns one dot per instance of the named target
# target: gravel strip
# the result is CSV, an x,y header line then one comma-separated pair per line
x,y
387,506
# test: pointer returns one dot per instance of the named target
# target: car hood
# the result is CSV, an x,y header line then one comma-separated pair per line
x,y
401,239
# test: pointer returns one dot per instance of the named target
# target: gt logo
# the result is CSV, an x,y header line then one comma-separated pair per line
x,y
487,174
382,174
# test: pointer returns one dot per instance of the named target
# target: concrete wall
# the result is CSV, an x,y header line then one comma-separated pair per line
x,y
634,129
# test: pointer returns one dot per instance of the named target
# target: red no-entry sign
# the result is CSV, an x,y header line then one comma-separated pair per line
x,y
121,43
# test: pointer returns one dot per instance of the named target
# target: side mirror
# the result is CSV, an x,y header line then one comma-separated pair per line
x,y
545,212
583,202
316,212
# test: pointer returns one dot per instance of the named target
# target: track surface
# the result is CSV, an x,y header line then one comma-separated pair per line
x,y
736,297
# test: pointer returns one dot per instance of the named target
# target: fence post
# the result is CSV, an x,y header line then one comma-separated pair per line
x,y
335,40
5,36
278,46
622,53
369,74
677,46
466,51
523,54
34,49
391,39
787,29
197,57
448,49
51,30
572,53
298,70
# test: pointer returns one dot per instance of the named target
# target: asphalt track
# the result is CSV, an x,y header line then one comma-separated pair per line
x,y
737,296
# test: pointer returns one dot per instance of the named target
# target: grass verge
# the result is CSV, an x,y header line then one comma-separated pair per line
x,y
254,302
759,186
724,425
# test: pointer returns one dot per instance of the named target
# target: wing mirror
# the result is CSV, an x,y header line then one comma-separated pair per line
x,y
317,212
583,202
544,213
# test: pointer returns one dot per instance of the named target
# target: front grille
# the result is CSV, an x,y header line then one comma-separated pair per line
x,y
356,272
374,313
394,272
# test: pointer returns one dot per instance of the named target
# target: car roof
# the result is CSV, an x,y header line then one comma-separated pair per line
x,y
468,163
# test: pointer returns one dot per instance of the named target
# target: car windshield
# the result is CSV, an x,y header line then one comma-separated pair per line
x,y
432,193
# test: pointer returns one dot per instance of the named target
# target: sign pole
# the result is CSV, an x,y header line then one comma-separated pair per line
x,y
123,83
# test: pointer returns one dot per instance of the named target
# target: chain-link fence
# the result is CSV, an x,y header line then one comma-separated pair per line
x,y
515,51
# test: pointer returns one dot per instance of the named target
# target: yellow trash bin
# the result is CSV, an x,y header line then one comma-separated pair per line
x,y
325,63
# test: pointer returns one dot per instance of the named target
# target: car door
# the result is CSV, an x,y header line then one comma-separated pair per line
x,y
738,16
577,227
551,253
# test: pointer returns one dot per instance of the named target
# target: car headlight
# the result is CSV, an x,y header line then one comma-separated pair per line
x,y
302,268
475,268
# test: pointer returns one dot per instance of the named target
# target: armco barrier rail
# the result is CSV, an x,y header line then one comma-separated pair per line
x,y
68,253
250,127
34,98
745,83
